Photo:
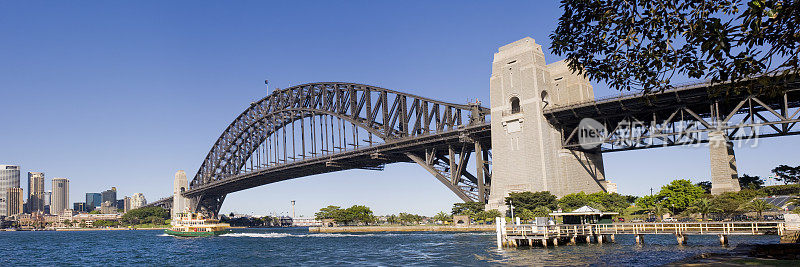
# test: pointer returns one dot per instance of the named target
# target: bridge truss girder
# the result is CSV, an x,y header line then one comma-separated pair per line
x,y
449,166
686,122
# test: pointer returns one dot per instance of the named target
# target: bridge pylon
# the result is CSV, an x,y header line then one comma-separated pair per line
x,y
527,149
724,177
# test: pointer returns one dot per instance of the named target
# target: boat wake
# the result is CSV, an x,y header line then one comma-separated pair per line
x,y
262,235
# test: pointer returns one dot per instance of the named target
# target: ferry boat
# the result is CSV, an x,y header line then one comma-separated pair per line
x,y
191,224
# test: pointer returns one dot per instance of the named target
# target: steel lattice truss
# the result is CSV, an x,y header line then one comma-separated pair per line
x,y
683,116
324,127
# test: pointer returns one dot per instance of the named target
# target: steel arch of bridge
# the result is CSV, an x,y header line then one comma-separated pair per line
x,y
337,126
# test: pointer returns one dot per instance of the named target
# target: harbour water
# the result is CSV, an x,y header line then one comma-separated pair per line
x,y
296,246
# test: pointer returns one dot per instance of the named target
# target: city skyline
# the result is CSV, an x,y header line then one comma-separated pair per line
x,y
152,96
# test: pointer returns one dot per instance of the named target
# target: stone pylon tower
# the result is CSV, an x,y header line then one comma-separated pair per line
x,y
179,185
526,149
724,177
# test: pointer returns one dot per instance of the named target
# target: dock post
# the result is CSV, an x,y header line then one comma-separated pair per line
x,y
723,240
681,239
639,239
499,233
599,238
555,241
588,239
612,238
544,242
573,239
517,220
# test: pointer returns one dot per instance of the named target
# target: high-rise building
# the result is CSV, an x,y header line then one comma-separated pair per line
x,y
35,191
110,195
138,201
9,178
94,199
47,199
14,198
60,197
126,204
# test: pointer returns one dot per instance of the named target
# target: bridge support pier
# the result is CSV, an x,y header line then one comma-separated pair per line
x,y
724,177
723,240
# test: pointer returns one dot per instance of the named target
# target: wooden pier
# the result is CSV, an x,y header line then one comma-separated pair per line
x,y
553,235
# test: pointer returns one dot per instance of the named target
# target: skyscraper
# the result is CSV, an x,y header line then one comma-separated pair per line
x,y
110,195
14,198
126,204
94,199
47,198
35,191
9,178
138,201
60,198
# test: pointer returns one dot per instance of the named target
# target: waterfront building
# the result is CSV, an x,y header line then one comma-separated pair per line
x,y
109,195
89,219
14,200
303,221
9,178
60,196
94,199
35,191
138,201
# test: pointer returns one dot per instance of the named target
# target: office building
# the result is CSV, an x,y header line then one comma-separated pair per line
x,y
109,195
35,192
138,201
47,198
14,200
108,208
81,207
94,199
126,204
120,205
60,197
9,178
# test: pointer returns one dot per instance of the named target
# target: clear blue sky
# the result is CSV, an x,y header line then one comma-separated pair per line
x,y
124,94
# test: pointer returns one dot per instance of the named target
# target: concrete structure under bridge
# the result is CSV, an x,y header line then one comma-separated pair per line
x,y
532,139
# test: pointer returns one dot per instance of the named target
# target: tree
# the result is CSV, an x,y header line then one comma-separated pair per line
x,y
407,218
573,201
526,215
68,223
328,212
532,200
750,182
467,208
679,194
144,215
787,174
443,217
758,206
706,186
702,206
488,215
642,45
392,219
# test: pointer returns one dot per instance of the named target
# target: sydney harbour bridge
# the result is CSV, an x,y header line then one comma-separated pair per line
x,y
327,127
